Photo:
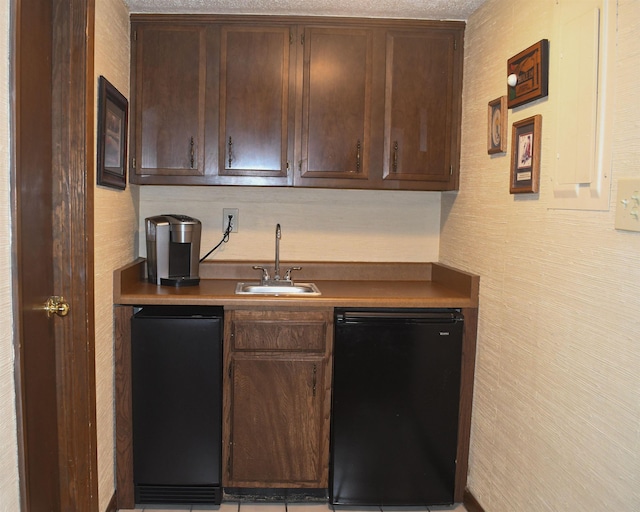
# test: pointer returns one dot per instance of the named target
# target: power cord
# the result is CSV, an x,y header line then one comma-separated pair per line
x,y
225,239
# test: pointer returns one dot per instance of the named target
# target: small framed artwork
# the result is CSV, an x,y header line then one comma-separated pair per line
x,y
528,74
525,155
497,126
112,136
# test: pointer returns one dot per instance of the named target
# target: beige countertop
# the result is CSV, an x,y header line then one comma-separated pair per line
x,y
342,284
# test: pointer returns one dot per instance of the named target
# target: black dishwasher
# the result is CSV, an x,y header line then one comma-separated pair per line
x,y
394,420
176,379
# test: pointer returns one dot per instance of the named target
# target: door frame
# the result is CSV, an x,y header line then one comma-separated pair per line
x,y
73,266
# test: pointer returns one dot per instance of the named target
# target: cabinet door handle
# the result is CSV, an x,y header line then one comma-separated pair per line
x,y
315,373
395,156
230,151
358,149
191,152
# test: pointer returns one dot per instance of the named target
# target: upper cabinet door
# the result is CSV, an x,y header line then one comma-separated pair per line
x,y
422,107
255,103
169,100
336,104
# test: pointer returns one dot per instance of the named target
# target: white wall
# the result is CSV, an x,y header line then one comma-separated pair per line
x,y
115,227
556,419
329,225
9,490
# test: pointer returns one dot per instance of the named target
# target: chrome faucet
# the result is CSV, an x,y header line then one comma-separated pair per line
x,y
277,278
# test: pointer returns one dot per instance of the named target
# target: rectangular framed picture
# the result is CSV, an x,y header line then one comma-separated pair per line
x,y
530,69
497,126
112,136
525,155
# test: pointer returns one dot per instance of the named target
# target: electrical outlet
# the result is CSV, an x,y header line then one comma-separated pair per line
x,y
233,213
628,207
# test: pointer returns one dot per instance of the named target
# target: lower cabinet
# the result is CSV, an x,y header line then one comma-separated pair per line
x,y
276,401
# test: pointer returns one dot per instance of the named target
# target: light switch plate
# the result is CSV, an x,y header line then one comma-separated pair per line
x,y
628,205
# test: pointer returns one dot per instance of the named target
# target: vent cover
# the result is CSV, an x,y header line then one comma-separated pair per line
x,y
183,494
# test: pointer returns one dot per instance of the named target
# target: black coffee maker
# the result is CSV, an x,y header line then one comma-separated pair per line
x,y
173,249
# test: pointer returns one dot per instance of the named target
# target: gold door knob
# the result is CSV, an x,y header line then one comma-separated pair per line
x,y
56,305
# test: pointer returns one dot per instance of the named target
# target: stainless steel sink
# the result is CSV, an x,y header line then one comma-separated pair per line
x,y
306,289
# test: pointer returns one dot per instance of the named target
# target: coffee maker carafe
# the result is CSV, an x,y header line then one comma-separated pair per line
x,y
173,249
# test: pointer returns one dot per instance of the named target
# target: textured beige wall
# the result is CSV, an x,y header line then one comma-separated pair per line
x,y
331,225
9,491
556,420
115,226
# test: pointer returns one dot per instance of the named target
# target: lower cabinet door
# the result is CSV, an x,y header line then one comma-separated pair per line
x,y
276,422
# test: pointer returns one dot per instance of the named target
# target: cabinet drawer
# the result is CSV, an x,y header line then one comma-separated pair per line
x,y
279,331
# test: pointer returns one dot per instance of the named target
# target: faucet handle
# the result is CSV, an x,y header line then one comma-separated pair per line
x,y
287,275
265,272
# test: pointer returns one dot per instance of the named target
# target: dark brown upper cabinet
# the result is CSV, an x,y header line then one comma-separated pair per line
x,y
296,101
422,108
337,76
168,81
256,123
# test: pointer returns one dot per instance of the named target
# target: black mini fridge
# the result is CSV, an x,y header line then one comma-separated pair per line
x,y
394,419
176,378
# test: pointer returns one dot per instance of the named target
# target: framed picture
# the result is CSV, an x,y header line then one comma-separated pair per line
x,y
528,74
525,155
112,136
497,126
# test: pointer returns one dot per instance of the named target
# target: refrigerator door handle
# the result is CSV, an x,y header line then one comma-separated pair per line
x,y
369,317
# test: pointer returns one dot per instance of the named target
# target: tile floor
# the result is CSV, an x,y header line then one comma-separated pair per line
x,y
290,507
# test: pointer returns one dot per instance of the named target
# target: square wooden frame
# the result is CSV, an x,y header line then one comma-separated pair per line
x,y
112,136
497,126
525,155
531,66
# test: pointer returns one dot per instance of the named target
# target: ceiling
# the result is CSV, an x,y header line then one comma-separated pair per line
x,y
419,9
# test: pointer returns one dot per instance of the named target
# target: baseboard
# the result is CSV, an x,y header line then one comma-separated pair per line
x,y
471,503
112,506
